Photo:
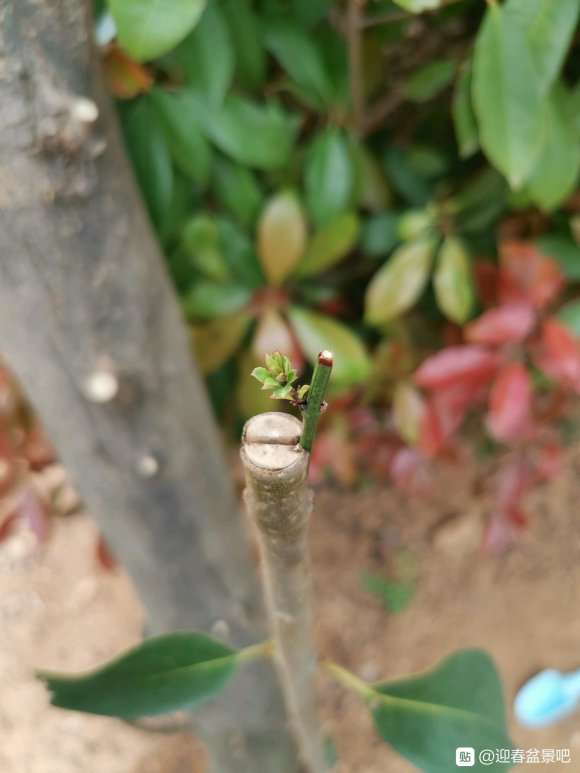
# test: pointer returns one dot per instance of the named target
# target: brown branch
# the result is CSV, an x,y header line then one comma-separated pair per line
x,y
355,56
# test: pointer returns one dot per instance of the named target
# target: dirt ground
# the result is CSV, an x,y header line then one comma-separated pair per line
x,y
60,611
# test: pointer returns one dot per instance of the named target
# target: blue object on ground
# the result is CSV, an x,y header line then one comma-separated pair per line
x,y
547,697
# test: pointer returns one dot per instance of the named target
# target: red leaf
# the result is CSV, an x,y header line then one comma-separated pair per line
x,y
410,472
445,412
510,403
103,555
457,365
559,354
503,325
486,277
527,276
513,482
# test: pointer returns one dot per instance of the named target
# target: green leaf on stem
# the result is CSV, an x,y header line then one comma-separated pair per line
x,y
430,80
245,29
148,28
453,281
330,244
164,674
329,176
281,236
463,115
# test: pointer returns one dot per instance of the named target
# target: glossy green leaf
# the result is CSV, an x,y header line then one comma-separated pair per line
x,y
453,281
296,50
405,179
207,300
569,315
245,30
463,115
200,239
148,149
329,175
399,283
309,12
236,189
555,173
316,332
457,704
371,188
187,145
148,28
330,244
206,56
507,98
564,251
240,254
430,80
549,27
281,236
380,234
216,341
163,674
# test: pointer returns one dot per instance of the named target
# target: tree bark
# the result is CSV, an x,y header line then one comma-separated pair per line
x,y
91,326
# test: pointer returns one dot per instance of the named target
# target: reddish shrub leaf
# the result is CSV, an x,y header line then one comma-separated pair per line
x,y
7,525
444,415
457,365
514,480
503,325
558,354
486,276
527,276
410,472
105,559
510,403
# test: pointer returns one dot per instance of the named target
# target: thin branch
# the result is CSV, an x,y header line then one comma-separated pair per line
x,y
279,503
391,18
355,56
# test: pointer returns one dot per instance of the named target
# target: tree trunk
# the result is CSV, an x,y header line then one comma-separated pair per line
x,y
91,326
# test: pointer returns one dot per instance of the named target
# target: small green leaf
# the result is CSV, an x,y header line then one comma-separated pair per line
x,y
453,281
400,282
507,98
161,675
244,25
282,393
330,244
380,234
569,315
261,374
300,57
463,116
549,27
430,80
371,189
393,594
148,28
206,56
555,173
237,190
316,332
148,149
281,236
207,300
187,145
239,253
329,176
458,703
564,251
201,241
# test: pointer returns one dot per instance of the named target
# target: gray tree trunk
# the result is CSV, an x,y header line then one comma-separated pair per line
x,y
91,326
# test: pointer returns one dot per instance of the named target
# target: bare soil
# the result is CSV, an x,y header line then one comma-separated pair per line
x,y
59,610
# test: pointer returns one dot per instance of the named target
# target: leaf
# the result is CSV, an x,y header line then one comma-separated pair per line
x,y
239,254
569,316
330,244
380,234
444,413
244,26
395,595
527,276
555,173
408,410
457,365
149,152
126,79
316,332
206,56
510,403
218,340
249,398
549,28
507,324
299,55
148,28
427,717
563,251
237,190
507,99
329,176
372,192
200,239
310,12
418,6
400,282
453,281
281,236
559,355
209,299
166,673
463,114
273,335
429,80
187,145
